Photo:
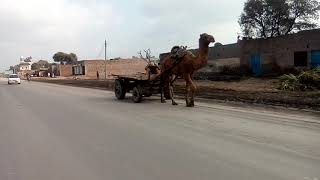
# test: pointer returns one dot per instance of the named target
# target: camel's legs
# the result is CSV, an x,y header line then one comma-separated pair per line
x,y
162,84
171,90
193,89
187,94
188,88
162,98
172,95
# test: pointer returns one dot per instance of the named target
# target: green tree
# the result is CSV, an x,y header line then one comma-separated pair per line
x,y
73,58
64,57
35,66
40,64
271,18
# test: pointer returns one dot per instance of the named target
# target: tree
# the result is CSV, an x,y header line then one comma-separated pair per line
x,y
40,64
148,57
271,18
35,66
73,58
60,57
64,57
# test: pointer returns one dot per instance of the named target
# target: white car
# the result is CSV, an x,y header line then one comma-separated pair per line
x,y
14,79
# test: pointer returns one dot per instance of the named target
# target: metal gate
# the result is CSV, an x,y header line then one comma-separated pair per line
x,y
256,64
315,59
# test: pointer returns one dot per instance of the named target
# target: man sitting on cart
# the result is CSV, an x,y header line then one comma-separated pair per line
x,y
152,71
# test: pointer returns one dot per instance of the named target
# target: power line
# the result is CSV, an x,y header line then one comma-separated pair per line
x,y
100,52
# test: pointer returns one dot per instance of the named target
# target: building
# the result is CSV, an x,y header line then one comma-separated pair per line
x,y
221,56
40,68
266,56
93,69
25,66
300,50
65,70
54,69
89,68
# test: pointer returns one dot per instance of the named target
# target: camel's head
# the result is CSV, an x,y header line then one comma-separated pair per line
x,y
206,39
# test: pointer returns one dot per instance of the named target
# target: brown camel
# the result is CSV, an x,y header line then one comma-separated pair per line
x,y
185,67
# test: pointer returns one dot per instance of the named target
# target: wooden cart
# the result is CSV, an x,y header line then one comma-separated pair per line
x,y
139,85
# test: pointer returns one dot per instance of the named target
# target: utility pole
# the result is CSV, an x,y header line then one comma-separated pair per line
x,y
105,59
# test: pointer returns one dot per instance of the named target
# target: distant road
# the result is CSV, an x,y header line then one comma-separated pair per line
x,y
53,132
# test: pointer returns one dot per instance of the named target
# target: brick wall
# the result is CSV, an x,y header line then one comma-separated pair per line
x,y
280,50
113,67
222,51
126,66
94,66
217,65
65,70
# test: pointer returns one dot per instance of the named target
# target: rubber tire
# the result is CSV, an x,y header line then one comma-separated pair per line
x,y
136,95
119,89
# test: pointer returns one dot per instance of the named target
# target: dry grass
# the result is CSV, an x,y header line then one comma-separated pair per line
x,y
250,84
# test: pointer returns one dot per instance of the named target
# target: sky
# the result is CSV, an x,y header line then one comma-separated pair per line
x,y
40,28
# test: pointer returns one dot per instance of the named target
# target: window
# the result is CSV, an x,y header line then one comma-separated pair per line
x,y
301,58
13,76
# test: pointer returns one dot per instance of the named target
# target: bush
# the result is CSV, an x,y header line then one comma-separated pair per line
x,y
289,82
308,80
317,70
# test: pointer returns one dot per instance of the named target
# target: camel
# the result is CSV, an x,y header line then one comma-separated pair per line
x,y
185,67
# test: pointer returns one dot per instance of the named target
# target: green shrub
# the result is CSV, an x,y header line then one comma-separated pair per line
x,y
289,82
308,80
317,70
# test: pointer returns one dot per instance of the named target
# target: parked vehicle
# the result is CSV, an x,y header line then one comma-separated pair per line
x,y
14,79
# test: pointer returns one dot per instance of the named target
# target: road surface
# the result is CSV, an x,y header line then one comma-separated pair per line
x,y
53,132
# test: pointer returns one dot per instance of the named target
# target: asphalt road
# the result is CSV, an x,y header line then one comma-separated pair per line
x,y
53,132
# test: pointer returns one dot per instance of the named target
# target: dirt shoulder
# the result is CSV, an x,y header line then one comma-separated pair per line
x,y
250,90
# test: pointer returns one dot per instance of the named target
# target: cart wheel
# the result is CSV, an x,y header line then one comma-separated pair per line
x,y
136,95
119,89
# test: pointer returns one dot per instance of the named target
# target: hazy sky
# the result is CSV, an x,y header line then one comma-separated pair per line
x,y
39,28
